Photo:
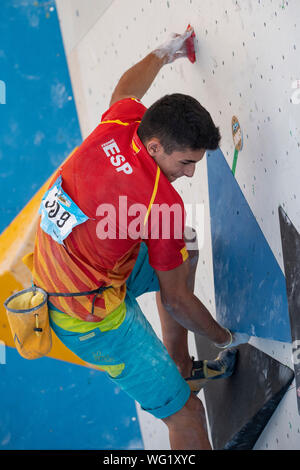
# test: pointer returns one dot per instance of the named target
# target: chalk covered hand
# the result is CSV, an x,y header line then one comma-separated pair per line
x,y
179,45
235,339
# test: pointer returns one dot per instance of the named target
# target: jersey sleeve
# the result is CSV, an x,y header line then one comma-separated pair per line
x,y
165,229
125,110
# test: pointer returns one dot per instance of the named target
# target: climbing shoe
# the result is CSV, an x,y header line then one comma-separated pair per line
x,y
219,368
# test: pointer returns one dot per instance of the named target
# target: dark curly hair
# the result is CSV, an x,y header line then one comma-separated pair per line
x,y
179,122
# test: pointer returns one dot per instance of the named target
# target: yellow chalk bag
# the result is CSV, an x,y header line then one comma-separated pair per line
x,y
27,313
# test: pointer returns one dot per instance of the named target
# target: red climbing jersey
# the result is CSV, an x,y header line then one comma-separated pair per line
x,y
115,182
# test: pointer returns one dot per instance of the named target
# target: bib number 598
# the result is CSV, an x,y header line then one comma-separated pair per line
x,y
57,212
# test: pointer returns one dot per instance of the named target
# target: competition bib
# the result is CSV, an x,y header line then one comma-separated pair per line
x,y
59,213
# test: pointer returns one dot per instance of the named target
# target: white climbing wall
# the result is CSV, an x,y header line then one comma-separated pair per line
x,y
247,65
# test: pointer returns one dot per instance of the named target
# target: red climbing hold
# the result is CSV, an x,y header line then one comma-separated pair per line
x,y
190,46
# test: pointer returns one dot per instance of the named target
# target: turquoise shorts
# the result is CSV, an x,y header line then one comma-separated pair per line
x,y
148,374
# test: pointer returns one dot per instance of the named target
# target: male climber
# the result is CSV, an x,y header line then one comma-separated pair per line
x,y
95,256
